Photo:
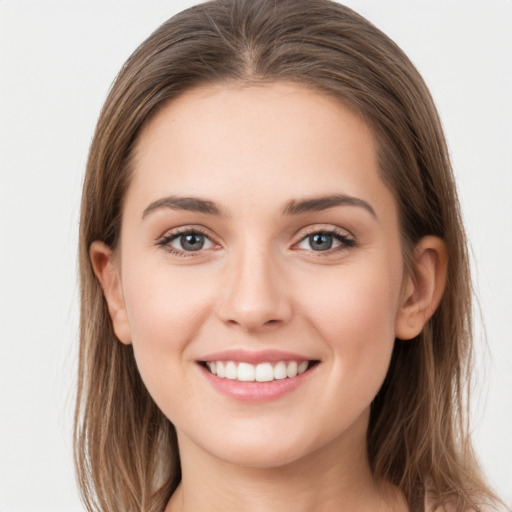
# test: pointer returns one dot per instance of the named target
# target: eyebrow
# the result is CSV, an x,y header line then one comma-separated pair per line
x,y
192,204
316,204
293,207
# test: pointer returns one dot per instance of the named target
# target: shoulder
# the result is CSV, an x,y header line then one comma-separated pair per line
x,y
453,507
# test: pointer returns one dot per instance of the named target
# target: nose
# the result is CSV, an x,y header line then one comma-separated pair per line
x,y
255,297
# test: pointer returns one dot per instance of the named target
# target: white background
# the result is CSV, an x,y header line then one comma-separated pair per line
x,y
57,60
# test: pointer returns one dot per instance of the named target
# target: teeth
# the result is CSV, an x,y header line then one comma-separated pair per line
x,y
263,372
291,369
220,369
280,371
246,372
231,371
303,366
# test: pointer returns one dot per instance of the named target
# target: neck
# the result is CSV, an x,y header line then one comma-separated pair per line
x,y
335,478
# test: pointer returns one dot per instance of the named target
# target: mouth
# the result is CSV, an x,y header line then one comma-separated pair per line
x,y
262,372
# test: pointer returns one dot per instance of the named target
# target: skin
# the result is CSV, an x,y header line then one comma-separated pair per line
x,y
258,284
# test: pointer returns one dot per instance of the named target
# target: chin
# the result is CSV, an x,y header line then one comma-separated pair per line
x,y
257,456
267,449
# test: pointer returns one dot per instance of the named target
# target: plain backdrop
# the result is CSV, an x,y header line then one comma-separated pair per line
x,y
57,61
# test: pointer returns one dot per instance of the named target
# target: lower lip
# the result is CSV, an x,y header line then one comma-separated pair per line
x,y
256,391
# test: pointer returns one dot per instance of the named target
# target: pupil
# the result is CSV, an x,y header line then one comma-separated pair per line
x,y
320,241
192,242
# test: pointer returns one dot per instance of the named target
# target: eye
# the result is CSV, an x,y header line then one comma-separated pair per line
x,y
323,241
186,242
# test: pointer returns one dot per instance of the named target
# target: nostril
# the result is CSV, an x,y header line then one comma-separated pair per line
x,y
254,324
254,311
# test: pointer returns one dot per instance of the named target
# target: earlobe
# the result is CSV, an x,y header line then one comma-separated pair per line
x,y
106,270
424,287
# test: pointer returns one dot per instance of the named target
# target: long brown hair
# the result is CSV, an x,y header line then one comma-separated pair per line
x,y
125,448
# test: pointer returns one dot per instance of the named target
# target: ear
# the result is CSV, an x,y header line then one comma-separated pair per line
x,y
106,268
423,288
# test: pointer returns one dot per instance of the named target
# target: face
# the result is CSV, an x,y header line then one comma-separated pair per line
x,y
259,272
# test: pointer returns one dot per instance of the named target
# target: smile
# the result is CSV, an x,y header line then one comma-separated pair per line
x,y
262,372
256,376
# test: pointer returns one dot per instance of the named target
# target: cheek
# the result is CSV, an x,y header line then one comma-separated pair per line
x,y
356,299
166,309
356,317
164,304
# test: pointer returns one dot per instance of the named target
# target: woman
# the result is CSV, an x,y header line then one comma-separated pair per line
x,y
276,308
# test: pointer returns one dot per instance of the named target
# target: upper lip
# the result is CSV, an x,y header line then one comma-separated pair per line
x,y
254,356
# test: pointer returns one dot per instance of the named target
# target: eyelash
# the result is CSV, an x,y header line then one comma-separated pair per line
x,y
166,240
346,241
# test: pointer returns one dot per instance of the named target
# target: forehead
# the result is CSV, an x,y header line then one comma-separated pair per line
x,y
239,143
